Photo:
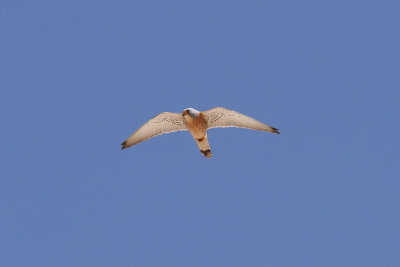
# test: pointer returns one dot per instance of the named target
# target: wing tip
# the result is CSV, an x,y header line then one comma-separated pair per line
x,y
124,145
275,130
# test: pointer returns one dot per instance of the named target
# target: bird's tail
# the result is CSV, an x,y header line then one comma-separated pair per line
x,y
204,146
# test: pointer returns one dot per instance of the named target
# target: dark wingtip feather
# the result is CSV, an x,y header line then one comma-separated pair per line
x,y
275,130
123,145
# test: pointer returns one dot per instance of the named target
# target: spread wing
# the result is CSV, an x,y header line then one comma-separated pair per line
x,y
222,117
162,123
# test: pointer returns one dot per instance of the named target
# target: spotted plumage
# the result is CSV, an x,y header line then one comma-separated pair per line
x,y
197,123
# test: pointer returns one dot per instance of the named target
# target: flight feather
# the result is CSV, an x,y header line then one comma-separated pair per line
x,y
221,117
165,122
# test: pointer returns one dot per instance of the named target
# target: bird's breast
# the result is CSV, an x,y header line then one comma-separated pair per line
x,y
197,126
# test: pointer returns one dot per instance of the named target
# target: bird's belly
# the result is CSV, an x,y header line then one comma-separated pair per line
x,y
197,127
197,133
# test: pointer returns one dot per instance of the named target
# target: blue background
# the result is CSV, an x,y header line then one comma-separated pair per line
x,y
78,77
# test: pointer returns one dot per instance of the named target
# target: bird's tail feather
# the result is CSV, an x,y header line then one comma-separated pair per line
x,y
204,146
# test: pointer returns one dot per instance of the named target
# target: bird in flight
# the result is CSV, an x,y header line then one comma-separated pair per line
x,y
197,123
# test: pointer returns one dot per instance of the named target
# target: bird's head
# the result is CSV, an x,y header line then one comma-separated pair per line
x,y
191,112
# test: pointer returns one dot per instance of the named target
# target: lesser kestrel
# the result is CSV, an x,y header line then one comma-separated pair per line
x,y
197,123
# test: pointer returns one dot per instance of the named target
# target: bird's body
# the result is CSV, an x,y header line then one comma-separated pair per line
x,y
197,126
197,123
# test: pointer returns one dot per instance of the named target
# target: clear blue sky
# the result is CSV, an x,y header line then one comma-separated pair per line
x,y
78,77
